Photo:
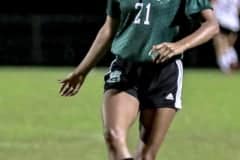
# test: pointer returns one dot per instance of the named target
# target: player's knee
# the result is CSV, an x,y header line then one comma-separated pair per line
x,y
114,137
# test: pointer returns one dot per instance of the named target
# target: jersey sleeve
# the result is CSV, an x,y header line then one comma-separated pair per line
x,y
196,6
113,8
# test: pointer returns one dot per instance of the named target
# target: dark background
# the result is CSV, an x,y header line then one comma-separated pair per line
x,y
61,36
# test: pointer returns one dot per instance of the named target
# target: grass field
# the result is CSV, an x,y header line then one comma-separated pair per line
x,y
37,124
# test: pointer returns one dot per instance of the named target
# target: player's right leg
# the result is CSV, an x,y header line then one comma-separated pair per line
x,y
119,111
120,108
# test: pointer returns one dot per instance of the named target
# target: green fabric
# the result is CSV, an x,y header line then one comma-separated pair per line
x,y
144,24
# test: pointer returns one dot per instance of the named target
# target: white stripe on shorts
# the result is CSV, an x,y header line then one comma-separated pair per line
x,y
178,98
111,65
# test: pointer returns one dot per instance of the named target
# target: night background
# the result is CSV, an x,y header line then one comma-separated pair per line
x,y
41,42
61,35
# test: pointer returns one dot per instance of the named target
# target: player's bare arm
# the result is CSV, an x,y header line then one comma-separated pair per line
x,y
72,83
205,32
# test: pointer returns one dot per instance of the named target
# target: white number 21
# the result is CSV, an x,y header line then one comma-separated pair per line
x,y
140,6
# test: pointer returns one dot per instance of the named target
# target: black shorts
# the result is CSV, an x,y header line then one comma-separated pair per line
x,y
154,85
225,30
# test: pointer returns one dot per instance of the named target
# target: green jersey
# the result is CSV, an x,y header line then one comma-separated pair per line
x,y
144,23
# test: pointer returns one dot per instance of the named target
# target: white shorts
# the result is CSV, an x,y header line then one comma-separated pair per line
x,y
226,12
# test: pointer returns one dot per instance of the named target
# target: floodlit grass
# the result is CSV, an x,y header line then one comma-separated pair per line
x,y
36,123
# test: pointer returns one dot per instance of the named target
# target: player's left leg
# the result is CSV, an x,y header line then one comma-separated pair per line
x,y
154,126
159,102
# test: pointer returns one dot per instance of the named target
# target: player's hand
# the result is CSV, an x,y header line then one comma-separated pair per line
x,y
71,84
167,50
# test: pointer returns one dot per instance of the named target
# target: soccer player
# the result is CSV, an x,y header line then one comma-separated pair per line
x,y
146,75
227,13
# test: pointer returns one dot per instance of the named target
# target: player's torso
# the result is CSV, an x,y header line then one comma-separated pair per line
x,y
144,23
148,13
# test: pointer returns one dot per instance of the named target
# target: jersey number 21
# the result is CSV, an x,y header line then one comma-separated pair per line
x,y
140,6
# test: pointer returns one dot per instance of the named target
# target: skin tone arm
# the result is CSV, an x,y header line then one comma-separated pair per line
x,y
205,32
72,83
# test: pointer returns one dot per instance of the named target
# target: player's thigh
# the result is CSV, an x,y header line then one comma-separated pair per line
x,y
156,121
154,124
221,43
232,38
119,110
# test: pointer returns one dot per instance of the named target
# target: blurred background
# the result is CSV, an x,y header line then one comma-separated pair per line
x,y
61,36
39,46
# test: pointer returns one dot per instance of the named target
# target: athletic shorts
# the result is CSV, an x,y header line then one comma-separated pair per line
x,y
154,85
225,31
